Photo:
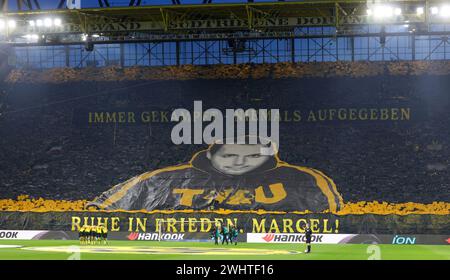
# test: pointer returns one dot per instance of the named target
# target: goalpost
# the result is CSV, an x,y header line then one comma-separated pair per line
x,y
203,226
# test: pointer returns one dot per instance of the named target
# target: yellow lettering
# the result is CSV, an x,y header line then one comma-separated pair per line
x,y
274,226
363,114
405,113
314,223
98,117
394,112
158,224
155,115
171,225
287,226
76,223
311,117
141,224
299,225
384,114
192,225
239,198
115,224
187,195
332,114
164,116
122,117
297,116
205,225
373,114
352,114
131,117
145,117
325,227
110,117
278,194
130,224
258,227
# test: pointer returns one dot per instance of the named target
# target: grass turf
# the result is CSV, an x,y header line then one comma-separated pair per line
x,y
151,250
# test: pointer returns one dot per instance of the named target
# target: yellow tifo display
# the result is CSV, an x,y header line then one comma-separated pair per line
x,y
25,203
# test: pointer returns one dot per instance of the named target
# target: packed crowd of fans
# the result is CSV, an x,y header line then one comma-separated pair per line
x,y
25,203
225,71
50,151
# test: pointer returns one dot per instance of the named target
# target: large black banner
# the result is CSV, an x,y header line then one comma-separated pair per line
x,y
203,222
118,146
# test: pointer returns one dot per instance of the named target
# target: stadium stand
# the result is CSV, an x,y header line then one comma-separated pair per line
x,y
240,71
54,155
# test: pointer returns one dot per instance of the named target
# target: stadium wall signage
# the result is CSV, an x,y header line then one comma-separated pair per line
x,y
21,234
296,238
212,24
348,238
152,236
131,116
190,222
267,238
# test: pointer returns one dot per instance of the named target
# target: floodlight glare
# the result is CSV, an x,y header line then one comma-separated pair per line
x,y
397,11
57,22
369,12
445,11
48,22
32,37
2,24
383,11
11,24
434,10
419,11
32,23
39,22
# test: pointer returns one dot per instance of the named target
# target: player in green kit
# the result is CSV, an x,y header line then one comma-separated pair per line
x,y
224,234
234,235
216,235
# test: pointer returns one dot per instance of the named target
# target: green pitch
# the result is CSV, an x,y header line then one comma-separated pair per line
x,y
151,250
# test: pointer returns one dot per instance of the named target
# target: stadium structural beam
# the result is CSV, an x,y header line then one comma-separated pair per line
x,y
134,3
292,50
304,36
103,3
28,4
4,6
62,4
122,55
177,20
177,49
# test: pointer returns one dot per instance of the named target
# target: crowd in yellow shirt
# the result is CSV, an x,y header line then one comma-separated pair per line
x,y
25,203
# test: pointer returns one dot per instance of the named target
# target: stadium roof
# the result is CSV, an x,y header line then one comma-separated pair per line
x,y
206,18
306,8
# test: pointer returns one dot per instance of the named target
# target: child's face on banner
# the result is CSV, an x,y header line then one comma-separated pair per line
x,y
235,159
